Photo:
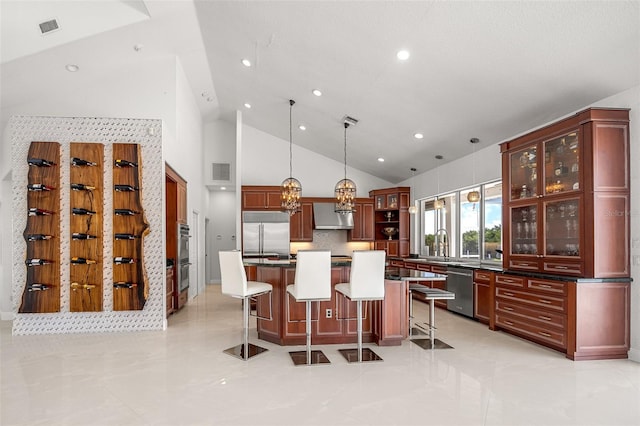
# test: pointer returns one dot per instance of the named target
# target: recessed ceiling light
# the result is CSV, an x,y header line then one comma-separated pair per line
x,y
317,92
138,47
381,160
403,55
418,136
72,67
302,127
247,105
246,62
223,188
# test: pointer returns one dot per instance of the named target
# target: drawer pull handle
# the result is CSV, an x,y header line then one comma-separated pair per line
x,y
544,285
547,302
542,317
509,281
508,308
508,294
508,322
544,334
561,267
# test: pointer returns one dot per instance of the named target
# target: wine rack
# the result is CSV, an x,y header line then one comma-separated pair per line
x,y
86,226
130,284
42,232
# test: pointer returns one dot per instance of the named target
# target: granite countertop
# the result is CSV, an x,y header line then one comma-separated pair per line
x,y
490,266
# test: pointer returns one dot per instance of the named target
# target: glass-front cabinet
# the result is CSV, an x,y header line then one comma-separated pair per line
x,y
561,184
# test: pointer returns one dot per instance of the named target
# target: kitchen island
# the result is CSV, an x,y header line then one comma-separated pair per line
x,y
386,322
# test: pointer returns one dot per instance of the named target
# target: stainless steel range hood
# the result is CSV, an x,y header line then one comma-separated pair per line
x,y
325,217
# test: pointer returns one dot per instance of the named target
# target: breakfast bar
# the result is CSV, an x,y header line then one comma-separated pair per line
x,y
386,322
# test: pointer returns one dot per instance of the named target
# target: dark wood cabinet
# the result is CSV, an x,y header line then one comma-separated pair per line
x,y
261,198
301,223
482,299
363,221
169,288
391,220
566,194
175,210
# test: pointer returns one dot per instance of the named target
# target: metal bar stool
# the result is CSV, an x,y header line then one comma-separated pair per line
x,y
366,283
235,284
312,284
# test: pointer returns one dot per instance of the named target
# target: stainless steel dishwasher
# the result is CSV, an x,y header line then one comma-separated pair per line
x,y
460,282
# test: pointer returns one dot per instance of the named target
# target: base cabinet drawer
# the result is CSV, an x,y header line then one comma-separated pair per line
x,y
531,314
549,302
551,336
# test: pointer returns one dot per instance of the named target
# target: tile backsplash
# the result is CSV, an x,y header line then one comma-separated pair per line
x,y
334,240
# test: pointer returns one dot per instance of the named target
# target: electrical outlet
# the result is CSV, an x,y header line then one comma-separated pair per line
x,y
328,313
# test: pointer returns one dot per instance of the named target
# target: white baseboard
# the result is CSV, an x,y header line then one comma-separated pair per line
x,y
634,354
7,316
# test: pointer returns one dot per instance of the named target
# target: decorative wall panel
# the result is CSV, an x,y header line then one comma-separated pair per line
x,y
147,135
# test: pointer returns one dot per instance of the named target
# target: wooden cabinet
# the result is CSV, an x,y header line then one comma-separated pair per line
x,y
175,185
301,223
181,202
391,220
482,298
169,291
566,195
261,198
363,221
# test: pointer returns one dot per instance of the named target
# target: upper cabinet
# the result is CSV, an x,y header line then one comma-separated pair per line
x,y
391,220
301,223
363,224
566,192
261,198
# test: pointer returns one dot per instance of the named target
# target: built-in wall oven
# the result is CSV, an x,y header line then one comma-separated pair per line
x,y
183,257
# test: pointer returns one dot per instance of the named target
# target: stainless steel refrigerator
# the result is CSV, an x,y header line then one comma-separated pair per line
x,y
265,234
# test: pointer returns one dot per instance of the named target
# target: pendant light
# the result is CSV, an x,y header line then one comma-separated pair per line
x,y
474,196
438,203
291,187
412,208
345,190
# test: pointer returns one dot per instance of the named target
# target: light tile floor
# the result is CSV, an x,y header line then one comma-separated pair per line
x,y
181,377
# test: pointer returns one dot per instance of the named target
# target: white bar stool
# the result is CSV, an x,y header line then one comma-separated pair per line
x,y
235,284
366,283
312,284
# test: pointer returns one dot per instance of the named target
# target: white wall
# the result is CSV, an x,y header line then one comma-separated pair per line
x,y
222,211
265,161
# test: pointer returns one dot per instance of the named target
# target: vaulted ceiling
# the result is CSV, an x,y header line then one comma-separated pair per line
x,y
488,70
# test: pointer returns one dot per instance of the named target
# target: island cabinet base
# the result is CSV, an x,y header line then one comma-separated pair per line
x,y
333,321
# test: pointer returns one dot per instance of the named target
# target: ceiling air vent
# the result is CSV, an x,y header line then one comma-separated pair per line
x,y
48,26
221,171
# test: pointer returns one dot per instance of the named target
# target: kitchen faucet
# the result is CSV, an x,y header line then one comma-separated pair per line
x,y
442,244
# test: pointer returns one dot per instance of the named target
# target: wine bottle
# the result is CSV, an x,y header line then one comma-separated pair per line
x,y
82,261
33,211
38,237
123,260
75,286
125,188
124,236
82,187
39,187
124,284
124,163
79,211
75,161
80,236
37,262
38,287
40,162
124,212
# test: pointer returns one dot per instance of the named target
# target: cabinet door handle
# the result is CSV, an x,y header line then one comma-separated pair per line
x,y
544,334
508,308
508,322
542,317
508,294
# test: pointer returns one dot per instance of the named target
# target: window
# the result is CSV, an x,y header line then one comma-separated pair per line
x,y
461,228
